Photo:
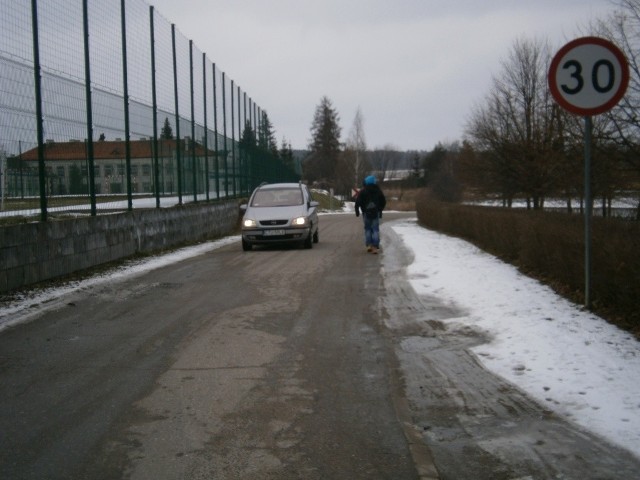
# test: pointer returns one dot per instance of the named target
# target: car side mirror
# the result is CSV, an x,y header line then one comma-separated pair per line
x,y
313,203
243,207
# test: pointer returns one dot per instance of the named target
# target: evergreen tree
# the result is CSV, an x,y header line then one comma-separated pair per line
x,y
248,140
286,155
433,161
266,136
167,132
248,146
322,162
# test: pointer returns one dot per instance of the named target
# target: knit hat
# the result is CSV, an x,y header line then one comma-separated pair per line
x,y
370,180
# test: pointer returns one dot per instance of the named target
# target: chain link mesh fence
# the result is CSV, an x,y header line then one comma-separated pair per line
x,y
105,106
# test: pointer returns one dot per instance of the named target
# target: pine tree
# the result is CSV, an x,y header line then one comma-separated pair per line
x,y
322,162
286,155
166,133
266,136
248,140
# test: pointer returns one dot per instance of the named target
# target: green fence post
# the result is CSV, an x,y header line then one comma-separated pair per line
x,y
234,173
206,126
21,169
125,84
154,140
87,84
175,94
193,126
240,159
224,136
215,133
39,115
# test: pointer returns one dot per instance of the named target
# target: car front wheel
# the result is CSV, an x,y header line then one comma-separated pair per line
x,y
246,246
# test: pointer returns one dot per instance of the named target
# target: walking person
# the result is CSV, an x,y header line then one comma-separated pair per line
x,y
371,201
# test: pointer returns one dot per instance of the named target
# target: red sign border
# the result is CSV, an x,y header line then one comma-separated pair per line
x,y
555,63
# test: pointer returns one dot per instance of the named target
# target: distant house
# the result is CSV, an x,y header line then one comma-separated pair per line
x,y
67,166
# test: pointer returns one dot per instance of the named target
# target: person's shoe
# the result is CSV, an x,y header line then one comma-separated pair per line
x,y
374,250
369,248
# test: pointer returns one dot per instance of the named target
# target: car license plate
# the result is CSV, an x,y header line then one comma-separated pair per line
x,y
273,233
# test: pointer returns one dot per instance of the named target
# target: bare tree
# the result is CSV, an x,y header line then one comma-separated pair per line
x,y
356,148
516,130
386,160
623,28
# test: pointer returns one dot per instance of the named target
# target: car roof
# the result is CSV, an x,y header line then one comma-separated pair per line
x,y
279,185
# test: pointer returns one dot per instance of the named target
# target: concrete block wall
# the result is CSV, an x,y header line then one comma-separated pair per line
x,y
33,252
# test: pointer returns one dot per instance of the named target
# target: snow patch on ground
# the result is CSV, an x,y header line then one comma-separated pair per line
x,y
569,360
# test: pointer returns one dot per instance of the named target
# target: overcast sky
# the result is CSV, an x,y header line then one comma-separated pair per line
x,y
415,68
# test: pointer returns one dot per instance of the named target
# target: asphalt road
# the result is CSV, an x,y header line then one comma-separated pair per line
x,y
279,363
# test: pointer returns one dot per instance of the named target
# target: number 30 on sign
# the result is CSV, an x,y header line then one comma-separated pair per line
x,y
588,76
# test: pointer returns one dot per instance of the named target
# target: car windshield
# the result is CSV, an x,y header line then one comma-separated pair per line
x,y
272,197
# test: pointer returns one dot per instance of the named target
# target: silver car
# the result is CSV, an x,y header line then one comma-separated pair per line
x,y
280,213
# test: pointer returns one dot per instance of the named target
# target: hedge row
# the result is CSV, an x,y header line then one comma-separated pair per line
x,y
550,247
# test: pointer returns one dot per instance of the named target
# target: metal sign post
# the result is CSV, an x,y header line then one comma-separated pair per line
x,y
588,76
588,210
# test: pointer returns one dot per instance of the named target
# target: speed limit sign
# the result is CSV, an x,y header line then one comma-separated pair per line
x,y
588,76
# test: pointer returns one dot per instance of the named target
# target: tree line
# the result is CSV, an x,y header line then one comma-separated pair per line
x,y
331,163
521,144
518,143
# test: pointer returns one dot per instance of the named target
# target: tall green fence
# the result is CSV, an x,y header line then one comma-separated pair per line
x,y
106,106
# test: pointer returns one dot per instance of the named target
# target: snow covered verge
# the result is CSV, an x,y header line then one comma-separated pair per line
x,y
571,361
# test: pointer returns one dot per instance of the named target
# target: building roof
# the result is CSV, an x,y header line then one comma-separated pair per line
x,y
105,150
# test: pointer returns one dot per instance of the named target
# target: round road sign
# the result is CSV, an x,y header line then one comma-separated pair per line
x,y
588,76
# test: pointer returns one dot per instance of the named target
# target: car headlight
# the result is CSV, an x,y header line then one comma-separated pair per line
x,y
249,223
299,221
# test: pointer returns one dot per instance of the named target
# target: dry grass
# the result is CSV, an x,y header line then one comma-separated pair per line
x,y
403,200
